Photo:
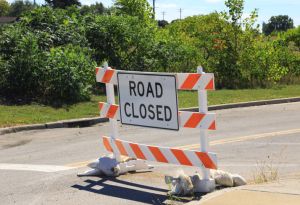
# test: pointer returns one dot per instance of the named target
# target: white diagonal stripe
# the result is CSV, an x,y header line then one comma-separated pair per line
x,y
169,155
128,149
183,117
181,78
213,157
100,74
191,155
149,156
206,121
203,81
104,110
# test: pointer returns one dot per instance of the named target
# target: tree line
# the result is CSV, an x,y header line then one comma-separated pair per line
x,y
49,55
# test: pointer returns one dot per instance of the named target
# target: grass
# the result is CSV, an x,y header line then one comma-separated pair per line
x,y
29,114
217,97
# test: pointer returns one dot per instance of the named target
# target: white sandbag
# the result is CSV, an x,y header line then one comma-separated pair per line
x,y
223,178
108,166
181,185
238,180
93,164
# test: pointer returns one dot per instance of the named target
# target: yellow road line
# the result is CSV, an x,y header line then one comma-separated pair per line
x,y
79,164
215,142
243,138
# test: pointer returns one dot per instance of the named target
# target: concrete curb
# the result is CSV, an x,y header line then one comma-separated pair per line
x,y
85,122
82,122
247,104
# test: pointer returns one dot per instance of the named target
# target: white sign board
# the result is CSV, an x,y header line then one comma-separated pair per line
x,y
148,100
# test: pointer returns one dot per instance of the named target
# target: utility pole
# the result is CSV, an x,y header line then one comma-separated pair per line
x,y
163,13
153,9
180,11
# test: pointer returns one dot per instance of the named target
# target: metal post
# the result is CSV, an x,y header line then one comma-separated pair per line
x,y
208,184
153,9
110,93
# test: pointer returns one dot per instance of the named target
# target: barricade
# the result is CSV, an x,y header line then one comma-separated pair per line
x,y
155,86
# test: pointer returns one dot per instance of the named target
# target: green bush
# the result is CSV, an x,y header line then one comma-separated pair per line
x,y
55,27
124,41
24,61
68,75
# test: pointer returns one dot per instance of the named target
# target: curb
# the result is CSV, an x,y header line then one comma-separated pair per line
x,y
246,104
82,122
86,122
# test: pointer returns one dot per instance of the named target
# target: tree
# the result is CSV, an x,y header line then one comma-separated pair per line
x,y
124,41
278,23
162,23
4,7
97,8
138,8
62,3
17,8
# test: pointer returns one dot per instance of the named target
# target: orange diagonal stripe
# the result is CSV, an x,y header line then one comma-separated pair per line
x,y
96,70
107,76
107,144
190,81
121,148
100,105
112,111
212,126
194,120
210,85
137,151
206,160
157,154
181,157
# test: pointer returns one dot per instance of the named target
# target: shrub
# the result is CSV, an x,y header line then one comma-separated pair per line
x,y
55,27
23,63
124,41
68,75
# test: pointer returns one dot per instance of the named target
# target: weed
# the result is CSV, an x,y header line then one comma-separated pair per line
x,y
265,172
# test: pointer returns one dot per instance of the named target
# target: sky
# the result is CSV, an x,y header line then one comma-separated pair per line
x,y
171,8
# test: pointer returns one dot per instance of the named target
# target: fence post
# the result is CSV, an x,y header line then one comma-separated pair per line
x,y
110,93
208,185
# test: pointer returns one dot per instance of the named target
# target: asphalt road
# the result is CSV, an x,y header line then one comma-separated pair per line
x,y
40,167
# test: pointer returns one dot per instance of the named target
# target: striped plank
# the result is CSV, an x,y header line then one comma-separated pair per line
x,y
161,154
186,119
185,81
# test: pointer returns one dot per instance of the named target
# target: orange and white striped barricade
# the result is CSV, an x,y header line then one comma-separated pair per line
x,y
202,120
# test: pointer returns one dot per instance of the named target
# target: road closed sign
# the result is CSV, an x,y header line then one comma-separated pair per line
x,y
148,100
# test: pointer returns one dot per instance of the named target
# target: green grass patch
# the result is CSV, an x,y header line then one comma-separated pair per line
x,y
34,113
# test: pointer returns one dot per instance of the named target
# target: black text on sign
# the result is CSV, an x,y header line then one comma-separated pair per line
x,y
148,100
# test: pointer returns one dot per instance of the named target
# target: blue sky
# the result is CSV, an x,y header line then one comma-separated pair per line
x,y
266,8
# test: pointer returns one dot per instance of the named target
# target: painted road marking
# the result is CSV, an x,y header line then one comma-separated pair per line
x,y
33,167
79,164
216,142
54,168
244,138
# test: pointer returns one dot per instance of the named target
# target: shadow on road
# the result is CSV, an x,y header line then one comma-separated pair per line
x,y
125,190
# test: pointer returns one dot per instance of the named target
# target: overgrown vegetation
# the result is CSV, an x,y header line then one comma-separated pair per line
x,y
48,56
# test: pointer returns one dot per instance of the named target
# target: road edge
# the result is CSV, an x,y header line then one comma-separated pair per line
x,y
86,122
